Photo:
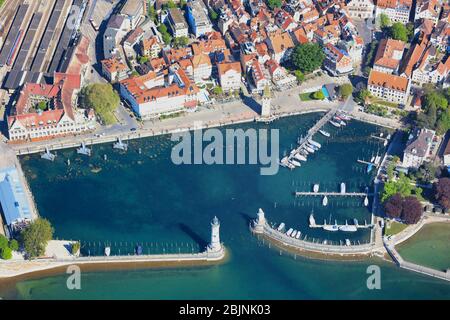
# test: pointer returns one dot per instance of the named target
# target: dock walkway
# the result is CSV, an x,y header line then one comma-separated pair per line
x,y
332,194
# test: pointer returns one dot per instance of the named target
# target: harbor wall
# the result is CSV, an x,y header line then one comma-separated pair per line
x,y
267,231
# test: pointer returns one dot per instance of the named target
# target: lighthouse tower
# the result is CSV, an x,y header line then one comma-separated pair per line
x,y
215,245
260,222
265,104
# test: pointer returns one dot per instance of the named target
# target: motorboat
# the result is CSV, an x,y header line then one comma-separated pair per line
x,y
314,143
293,234
337,125
324,133
289,232
107,251
297,236
281,227
300,157
343,189
366,201
295,163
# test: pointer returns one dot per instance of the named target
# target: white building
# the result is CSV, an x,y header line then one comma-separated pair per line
x,y
396,10
229,75
362,9
133,11
427,9
389,87
418,147
155,94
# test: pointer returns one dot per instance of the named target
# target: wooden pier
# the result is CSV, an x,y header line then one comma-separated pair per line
x,y
332,194
314,129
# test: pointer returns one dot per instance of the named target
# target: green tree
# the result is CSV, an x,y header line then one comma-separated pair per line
x,y
299,75
217,90
213,14
3,242
398,31
152,13
307,57
345,90
385,21
143,59
443,124
318,95
6,253
42,106
180,42
13,245
36,236
272,4
403,186
171,5
182,4
103,99
75,248
363,94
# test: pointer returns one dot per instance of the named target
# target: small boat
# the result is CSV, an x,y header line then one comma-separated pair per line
x,y
324,242
337,125
289,232
325,201
312,221
300,157
316,188
323,132
366,201
369,168
107,251
372,159
348,243
342,123
281,227
284,162
304,152
139,250
385,143
344,117
309,149
337,118
297,236
295,163
343,188
348,228
293,234
377,160
332,228
314,143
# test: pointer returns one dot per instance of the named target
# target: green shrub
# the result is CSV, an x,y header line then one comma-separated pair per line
x,y
6,253
13,245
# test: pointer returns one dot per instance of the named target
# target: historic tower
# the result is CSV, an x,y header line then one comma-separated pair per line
x,y
260,222
265,105
215,245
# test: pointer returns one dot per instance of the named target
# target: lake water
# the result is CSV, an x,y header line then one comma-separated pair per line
x,y
142,198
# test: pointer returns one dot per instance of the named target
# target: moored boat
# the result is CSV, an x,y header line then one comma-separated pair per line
x,y
348,228
281,227
289,232
300,157
325,201
337,125
316,188
323,132
295,163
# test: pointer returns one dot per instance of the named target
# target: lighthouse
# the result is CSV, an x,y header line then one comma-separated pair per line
x,y
265,104
260,222
215,245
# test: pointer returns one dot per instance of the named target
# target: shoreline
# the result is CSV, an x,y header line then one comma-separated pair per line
x,y
26,149
51,268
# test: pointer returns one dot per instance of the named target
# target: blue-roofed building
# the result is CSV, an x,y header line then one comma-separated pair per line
x,y
197,18
14,202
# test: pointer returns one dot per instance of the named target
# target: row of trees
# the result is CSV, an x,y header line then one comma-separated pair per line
x,y
436,111
408,209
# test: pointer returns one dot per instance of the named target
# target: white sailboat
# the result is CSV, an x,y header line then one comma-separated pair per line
x,y
314,143
281,227
325,201
309,149
337,125
348,228
295,163
297,236
294,233
316,188
343,188
107,251
366,201
288,233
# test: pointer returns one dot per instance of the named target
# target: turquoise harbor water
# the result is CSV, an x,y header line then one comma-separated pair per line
x,y
143,198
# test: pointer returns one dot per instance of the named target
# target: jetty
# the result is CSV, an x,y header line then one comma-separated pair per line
x,y
84,150
120,145
399,261
262,227
314,129
331,194
339,227
47,155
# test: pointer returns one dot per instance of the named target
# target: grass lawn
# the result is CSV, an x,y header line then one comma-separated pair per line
x,y
384,103
108,118
394,228
306,96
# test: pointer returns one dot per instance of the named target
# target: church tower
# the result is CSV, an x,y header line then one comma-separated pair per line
x,y
265,105
215,245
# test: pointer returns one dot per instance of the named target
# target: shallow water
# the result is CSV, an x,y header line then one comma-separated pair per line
x,y
144,199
